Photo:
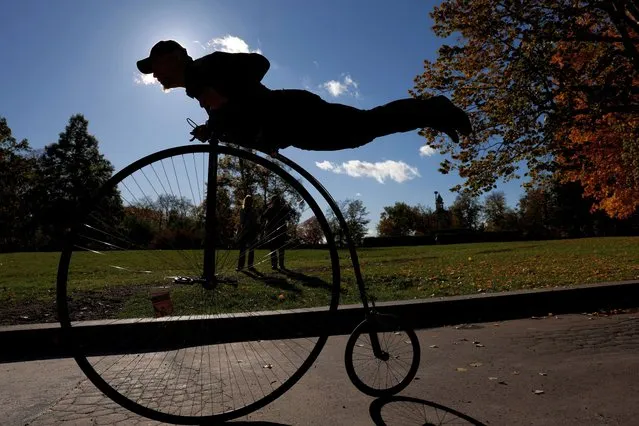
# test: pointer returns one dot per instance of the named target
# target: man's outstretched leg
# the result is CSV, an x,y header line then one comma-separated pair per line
x,y
405,115
303,119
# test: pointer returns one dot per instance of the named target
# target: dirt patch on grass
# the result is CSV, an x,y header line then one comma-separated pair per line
x,y
82,306
28,312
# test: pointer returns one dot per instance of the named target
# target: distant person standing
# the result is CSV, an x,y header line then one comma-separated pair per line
x,y
247,233
276,216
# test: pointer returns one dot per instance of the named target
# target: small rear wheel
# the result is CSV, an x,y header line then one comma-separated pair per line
x,y
394,367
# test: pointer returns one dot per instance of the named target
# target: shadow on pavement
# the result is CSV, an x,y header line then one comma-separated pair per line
x,y
407,411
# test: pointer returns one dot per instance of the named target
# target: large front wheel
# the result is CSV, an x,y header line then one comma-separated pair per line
x,y
143,285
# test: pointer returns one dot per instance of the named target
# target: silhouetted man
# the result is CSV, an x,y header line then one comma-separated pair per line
x,y
245,112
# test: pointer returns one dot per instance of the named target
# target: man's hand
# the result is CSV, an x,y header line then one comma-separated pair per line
x,y
201,133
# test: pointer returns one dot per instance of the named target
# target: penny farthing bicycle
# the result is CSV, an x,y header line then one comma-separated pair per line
x,y
160,319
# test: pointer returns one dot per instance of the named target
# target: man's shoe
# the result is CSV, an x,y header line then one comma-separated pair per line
x,y
449,118
451,133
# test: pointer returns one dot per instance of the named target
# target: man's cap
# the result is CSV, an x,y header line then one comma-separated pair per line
x,y
161,48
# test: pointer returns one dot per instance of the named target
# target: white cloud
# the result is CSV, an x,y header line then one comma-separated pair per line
x,y
380,171
230,44
199,44
427,151
324,165
349,81
145,79
337,88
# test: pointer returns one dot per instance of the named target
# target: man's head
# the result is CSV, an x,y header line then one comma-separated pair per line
x,y
166,62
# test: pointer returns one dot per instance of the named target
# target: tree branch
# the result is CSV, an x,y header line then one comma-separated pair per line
x,y
616,16
632,15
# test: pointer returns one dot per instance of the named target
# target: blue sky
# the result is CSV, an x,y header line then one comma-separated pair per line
x,y
65,57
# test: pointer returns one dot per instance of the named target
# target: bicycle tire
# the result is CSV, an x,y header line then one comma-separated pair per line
x,y
63,274
388,322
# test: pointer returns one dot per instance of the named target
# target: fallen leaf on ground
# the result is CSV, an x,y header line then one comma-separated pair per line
x,y
543,374
538,392
479,345
434,346
461,369
492,378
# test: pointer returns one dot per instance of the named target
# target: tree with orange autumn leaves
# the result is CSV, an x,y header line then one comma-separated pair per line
x,y
552,85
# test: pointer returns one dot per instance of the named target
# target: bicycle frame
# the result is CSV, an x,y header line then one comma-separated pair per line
x,y
369,314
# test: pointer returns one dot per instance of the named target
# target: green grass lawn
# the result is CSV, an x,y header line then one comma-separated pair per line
x,y
118,284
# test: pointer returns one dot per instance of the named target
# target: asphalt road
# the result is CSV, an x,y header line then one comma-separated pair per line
x,y
557,370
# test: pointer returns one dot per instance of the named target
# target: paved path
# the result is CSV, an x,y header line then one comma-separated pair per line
x,y
585,370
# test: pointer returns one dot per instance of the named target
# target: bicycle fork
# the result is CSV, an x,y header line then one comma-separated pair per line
x,y
374,326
